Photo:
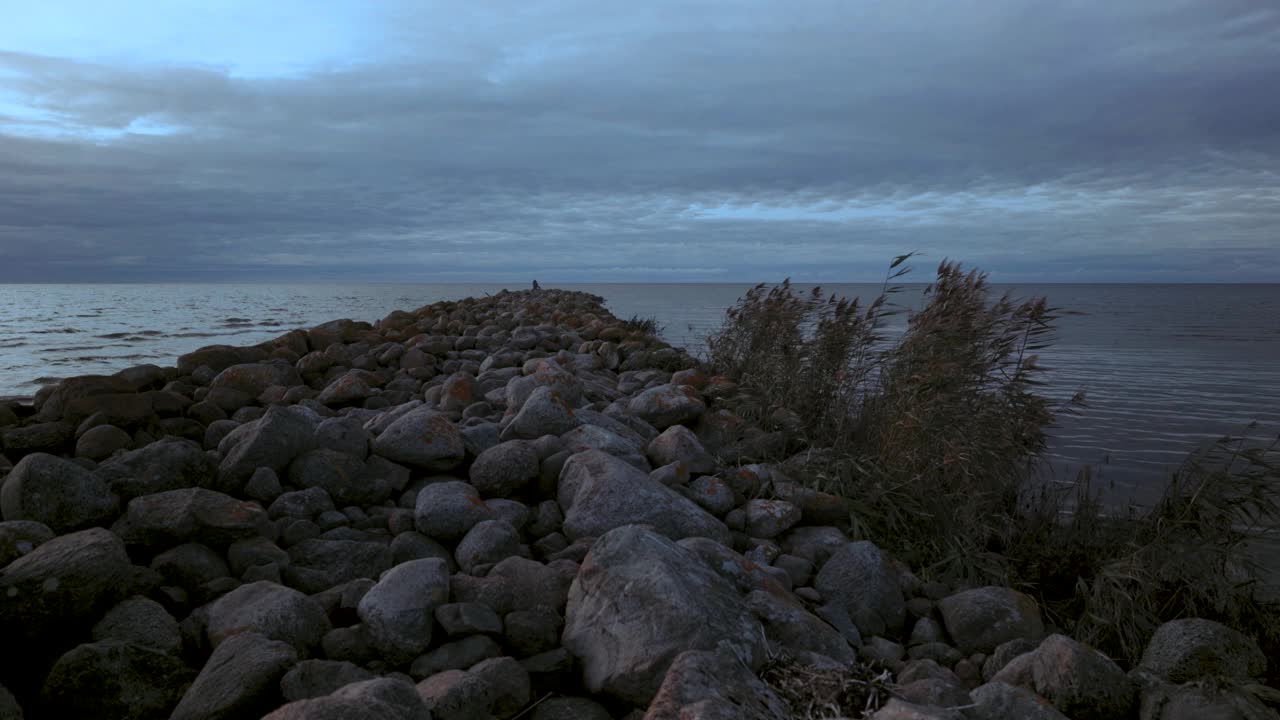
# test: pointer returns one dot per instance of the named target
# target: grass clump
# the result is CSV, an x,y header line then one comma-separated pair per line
x,y
644,325
935,436
814,693
1111,578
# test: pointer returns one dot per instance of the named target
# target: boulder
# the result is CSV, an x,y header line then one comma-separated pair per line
x,y
344,434
422,439
570,708
1195,648
504,468
897,709
602,492
518,583
191,515
240,679
166,464
272,441
253,378
143,621
486,543
268,609
101,442
788,625
460,619
667,405
57,493
860,578
349,389
397,611
11,710
63,583
114,679
19,537
980,619
446,510
377,699
998,701
638,601
344,477
770,518
318,564
678,444
317,678
546,412
1081,682
457,655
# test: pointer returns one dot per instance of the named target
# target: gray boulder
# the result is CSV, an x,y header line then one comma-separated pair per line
x,y
667,405
143,621
486,543
272,441
344,434
980,619
788,625
377,699
397,611
114,679
191,515
897,709
457,655
317,678
446,510
100,442
1000,701
271,610
602,492
239,680
422,439
770,518
678,444
860,578
344,477
166,464
67,580
350,388
318,564
638,601
1081,682
19,537
1195,648
56,492
546,412
504,468
518,583
252,378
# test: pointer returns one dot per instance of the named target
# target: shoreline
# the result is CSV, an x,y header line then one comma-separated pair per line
x,y
450,508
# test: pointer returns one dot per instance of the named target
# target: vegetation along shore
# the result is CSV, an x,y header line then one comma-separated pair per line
x,y
521,506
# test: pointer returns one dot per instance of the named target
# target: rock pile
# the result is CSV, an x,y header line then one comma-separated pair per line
x,y
485,508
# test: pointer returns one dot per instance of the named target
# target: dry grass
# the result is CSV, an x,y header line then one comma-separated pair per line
x,y
1111,579
935,438
643,325
828,694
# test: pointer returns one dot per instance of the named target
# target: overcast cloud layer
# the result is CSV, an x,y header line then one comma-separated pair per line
x,y
660,141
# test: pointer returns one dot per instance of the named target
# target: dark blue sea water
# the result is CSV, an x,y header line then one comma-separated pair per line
x,y
1164,367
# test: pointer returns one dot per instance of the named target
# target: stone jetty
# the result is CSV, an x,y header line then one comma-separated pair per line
x,y
499,507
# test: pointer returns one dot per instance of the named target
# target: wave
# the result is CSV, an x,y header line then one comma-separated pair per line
x,y
57,331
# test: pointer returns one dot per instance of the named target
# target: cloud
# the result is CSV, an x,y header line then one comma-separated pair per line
x,y
656,141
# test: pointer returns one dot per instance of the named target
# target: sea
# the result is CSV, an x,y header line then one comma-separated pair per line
x,y
1164,368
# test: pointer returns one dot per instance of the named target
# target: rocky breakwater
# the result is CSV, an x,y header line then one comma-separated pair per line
x,y
505,506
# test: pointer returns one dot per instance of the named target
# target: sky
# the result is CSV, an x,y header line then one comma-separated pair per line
x,y
659,141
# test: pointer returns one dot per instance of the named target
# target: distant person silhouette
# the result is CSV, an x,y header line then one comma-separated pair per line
x,y
536,286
